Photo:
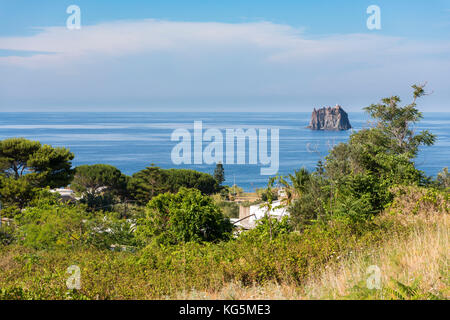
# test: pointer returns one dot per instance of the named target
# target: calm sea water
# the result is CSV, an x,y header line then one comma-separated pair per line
x,y
132,141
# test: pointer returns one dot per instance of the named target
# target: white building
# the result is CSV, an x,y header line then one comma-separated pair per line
x,y
249,216
65,193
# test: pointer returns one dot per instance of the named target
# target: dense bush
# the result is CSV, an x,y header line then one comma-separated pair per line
x,y
181,240
99,185
50,227
356,179
146,184
26,166
157,271
266,229
230,209
182,217
443,179
51,224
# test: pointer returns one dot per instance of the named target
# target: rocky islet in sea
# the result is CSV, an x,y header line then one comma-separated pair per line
x,y
328,118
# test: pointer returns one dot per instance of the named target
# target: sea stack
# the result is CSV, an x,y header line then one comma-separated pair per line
x,y
334,119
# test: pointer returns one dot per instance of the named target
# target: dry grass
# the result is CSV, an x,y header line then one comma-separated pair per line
x,y
410,248
419,260
422,256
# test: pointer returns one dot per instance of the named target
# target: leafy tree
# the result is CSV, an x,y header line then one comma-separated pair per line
x,y
16,193
179,178
107,230
443,179
359,196
182,217
299,181
50,226
268,204
99,184
219,173
385,150
264,193
396,123
355,179
15,154
269,228
98,178
309,206
42,165
146,184
53,166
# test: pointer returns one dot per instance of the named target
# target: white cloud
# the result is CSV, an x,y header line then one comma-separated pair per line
x,y
152,59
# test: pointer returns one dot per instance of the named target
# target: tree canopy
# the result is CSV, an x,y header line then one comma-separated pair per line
x,y
356,178
26,166
147,183
182,217
397,123
219,173
42,164
98,178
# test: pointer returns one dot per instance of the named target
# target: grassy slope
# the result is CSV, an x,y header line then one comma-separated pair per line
x,y
408,242
413,266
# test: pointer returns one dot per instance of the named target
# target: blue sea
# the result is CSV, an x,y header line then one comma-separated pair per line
x,y
133,141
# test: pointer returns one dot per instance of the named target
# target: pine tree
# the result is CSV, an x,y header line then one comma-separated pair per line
x,y
219,173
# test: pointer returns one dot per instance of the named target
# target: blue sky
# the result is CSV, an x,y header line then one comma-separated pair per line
x,y
220,55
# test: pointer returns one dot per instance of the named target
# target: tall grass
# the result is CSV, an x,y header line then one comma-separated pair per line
x,y
325,261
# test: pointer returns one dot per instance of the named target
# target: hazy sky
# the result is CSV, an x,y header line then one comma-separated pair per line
x,y
227,55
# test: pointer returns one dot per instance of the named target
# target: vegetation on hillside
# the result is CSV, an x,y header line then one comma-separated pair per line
x,y
366,204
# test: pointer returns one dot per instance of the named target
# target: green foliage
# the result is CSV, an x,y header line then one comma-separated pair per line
x,y
443,179
265,194
52,166
98,178
266,229
300,180
99,202
229,209
51,226
146,184
186,237
99,184
397,290
63,226
219,173
14,155
108,230
393,290
311,194
396,123
160,271
360,173
360,196
26,166
182,217
16,192
419,199
183,178
6,234
44,165
43,197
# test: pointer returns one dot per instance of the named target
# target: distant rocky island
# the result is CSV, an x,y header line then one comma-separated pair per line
x,y
329,118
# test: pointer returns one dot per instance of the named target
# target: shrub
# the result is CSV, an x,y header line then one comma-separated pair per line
x,y
182,217
262,230
54,226
152,181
